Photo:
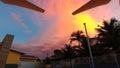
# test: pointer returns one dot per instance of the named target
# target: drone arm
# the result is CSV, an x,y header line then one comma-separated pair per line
x,y
23,3
91,4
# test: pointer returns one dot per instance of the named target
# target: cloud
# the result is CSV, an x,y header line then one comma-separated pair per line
x,y
39,50
58,23
27,31
20,23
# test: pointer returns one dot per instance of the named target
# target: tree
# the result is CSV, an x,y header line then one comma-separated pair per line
x,y
76,36
82,47
67,52
47,60
98,50
109,34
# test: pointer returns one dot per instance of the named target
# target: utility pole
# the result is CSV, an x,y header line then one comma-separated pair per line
x,y
89,48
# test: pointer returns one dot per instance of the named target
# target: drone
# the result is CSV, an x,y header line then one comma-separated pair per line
x,y
24,4
29,5
91,4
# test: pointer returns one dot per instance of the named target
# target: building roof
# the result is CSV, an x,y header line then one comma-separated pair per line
x,y
16,51
29,57
13,50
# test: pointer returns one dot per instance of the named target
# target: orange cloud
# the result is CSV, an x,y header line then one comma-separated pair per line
x,y
59,23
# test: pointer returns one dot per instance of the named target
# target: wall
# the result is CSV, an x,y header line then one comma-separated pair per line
x,y
27,63
13,58
4,49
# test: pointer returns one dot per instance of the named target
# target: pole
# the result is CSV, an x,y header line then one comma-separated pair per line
x,y
89,48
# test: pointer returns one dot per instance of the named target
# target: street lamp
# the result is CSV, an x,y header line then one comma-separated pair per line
x,y
90,52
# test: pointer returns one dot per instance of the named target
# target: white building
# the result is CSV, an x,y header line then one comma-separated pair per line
x,y
29,62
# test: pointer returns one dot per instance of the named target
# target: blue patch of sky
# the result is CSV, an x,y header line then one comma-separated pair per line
x,y
10,26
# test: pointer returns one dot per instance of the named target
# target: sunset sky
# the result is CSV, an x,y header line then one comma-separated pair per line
x,y
40,33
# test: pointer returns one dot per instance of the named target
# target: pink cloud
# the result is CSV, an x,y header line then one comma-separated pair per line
x,y
27,31
57,33
20,23
39,50
63,24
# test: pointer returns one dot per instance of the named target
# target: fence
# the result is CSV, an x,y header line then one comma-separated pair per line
x,y
105,61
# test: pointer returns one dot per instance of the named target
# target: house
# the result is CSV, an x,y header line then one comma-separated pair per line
x,y
28,61
13,59
5,48
9,58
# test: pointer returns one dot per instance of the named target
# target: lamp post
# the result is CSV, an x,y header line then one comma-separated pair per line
x,y
90,52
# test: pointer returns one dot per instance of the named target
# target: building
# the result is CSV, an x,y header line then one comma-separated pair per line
x,y
13,59
28,61
5,48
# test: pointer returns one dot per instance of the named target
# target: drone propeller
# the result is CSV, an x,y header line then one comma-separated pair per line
x,y
90,4
24,3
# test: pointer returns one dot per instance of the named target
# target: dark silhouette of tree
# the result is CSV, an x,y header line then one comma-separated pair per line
x,y
82,47
98,50
109,34
109,37
76,36
58,52
66,53
47,60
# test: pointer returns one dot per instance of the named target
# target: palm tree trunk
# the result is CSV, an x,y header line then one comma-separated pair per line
x,y
70,42
79,44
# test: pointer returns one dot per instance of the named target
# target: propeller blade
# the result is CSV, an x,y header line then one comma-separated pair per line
x,y
90,4
24,3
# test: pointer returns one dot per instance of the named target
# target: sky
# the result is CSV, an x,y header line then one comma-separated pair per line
x,y
38,34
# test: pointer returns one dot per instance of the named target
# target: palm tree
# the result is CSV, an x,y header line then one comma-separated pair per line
x,y
109,36
47,60
82,47
67,52
98,50
76,36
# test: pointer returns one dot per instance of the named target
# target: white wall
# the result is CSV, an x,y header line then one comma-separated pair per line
x,y
27,64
